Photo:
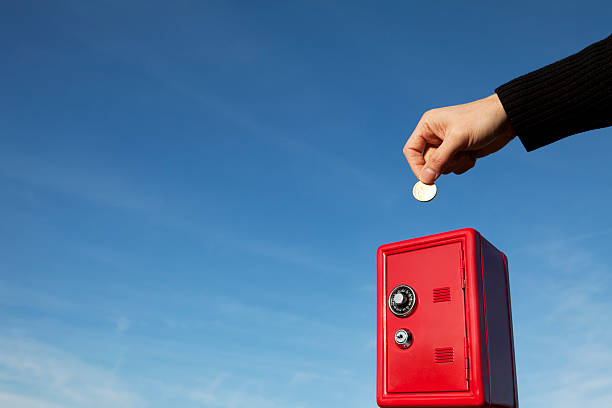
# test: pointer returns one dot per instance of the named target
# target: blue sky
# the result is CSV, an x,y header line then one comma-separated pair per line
x,y
192,194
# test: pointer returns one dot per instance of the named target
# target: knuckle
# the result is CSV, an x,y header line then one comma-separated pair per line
x,y
455,134
428,115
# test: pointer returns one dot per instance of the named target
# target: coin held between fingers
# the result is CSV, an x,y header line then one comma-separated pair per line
x,y
424,192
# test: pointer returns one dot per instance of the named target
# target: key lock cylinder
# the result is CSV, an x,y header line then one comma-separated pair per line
x,y
402,302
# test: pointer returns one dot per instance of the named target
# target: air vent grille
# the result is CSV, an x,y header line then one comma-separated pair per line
x,y
444,355
442,294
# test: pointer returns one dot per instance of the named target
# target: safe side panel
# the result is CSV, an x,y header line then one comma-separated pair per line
x,y
499,328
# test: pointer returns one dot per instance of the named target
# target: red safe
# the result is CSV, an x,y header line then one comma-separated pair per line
x,y
444,324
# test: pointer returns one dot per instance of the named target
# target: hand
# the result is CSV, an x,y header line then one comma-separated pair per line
x,y
449,140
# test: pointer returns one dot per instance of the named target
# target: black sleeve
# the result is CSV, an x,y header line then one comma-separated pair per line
x,y
570,96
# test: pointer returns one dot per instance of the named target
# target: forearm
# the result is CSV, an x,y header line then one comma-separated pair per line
x,y
570,96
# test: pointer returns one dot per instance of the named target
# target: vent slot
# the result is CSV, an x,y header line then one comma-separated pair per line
x,y
444,355
442,294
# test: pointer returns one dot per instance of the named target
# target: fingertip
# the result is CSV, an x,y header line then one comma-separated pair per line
x,y
428,175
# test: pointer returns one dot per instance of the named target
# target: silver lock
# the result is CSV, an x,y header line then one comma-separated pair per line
x,y
403,338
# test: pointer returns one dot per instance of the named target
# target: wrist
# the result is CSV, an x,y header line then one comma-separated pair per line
x,y
504,128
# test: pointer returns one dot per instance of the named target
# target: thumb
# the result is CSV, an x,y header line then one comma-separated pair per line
x,y
438,159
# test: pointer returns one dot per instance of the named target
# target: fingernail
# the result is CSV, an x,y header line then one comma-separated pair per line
x,y
428,176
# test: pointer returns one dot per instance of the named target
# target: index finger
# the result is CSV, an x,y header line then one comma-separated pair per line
x,y
413,150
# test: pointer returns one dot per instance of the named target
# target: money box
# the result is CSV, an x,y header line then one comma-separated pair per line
x,y
444,323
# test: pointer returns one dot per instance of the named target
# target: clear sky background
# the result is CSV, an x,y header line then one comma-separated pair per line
x,y
192,194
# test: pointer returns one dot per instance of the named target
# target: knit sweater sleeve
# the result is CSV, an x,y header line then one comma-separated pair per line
x,y
570,96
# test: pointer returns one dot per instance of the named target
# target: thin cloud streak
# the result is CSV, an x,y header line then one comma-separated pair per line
x,y
573,325
21,401
103,188
160,70
59,378
106,190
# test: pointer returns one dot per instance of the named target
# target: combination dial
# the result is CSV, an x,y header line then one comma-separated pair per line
x,y
402,300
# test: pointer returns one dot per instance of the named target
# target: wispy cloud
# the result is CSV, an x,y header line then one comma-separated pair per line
x,y
181,83
57,378
306,257
12,294
112,189
227,391
122,323
567,360
103,186
195,88
21,401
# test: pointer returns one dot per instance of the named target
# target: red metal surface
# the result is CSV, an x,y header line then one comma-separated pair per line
x,y
462,352
436,359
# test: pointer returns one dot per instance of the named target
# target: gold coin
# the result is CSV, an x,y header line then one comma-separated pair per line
x,y
424,192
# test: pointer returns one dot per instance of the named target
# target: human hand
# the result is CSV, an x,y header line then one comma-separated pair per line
x,y
449,140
